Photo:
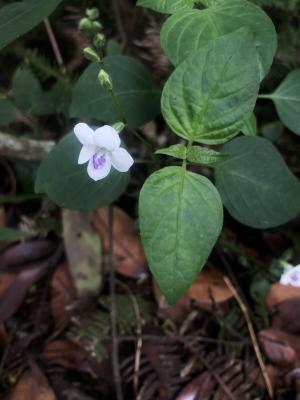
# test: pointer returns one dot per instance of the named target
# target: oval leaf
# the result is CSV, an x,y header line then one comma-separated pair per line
x,y
250,126
68,184
205,156
176,150
134,88
210,94
176,247
287,101
255,184
19,18
190,30
167,6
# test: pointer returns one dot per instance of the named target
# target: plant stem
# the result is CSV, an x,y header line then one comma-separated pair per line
x,y
265,96
113,311
115,5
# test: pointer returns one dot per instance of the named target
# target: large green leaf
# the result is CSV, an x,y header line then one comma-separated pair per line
x,y
134,87
210,94
20,17
190,30
287,101
167,6
7,111
255,184
68,184
250,126
181,216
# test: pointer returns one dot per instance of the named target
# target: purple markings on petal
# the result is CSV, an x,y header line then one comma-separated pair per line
x,y
99,160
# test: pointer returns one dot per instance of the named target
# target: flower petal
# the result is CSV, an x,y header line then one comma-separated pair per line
x,y
101,171
107,137
121,160
84,134
85,154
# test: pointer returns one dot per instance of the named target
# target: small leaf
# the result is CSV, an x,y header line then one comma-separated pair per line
x,y
255,184
83,248
250,126
20,17
203,155
210,94
287,101
176,248
189,30
167,6
68,184
7,112
177,151
10,234
134,88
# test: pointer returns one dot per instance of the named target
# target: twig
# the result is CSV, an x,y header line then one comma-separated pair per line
x,y
139,343
27,149
113,312
54,45
116,10
252,336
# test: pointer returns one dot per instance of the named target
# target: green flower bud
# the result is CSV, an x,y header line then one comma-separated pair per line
x,y
97,26
92,13
119,126
105,80
86,26
99,40
90,54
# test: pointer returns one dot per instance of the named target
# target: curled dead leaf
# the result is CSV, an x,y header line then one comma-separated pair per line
x,y
279,293
127,246
33,385
281,348
210,289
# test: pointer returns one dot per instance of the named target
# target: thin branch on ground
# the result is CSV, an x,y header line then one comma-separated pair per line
x,y
54,45
254,340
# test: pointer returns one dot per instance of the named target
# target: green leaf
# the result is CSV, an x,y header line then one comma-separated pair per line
x,y
250,126
68,184
7,112
177,151
20,17
205,156
256,186
30,97
190,30
287,101
11,235
272,130
114,48
181,217
134,87
167,6
210,94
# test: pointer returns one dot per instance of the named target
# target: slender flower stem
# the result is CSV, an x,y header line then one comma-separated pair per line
x,y
265,96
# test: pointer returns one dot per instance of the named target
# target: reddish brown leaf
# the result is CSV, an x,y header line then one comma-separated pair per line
x,y
33,385
257,378
287,316
281,348
127,246
279,293
63,296
200,388
210,289
12,298
26,252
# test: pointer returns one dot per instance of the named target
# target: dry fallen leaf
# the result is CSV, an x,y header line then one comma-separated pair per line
x,y
63,296
83,248
210,289
279,293
199,388
127,246
33,385
281,348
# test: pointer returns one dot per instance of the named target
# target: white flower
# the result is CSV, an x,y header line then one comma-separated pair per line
x,y
291,275
101,148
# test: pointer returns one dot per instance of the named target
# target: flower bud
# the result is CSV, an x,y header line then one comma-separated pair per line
x,y
105,80
86,26
90,54
92,13
118,126
97,26
99,40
